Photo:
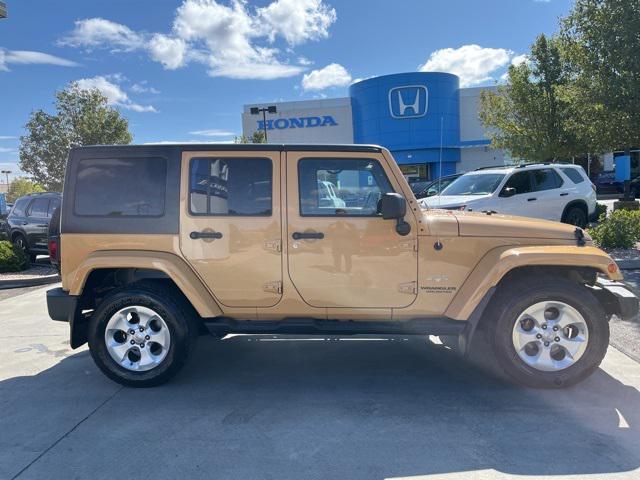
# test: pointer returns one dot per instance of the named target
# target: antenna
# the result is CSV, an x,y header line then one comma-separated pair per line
x,y
440,162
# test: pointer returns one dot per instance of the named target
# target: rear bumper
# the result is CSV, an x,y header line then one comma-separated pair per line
x,y
63,307
617,298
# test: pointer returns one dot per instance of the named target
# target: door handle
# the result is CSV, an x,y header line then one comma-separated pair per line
x,y
532,199
564,194
307,235
198,235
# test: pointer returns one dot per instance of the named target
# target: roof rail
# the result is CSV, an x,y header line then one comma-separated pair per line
x,y
523,165
492,166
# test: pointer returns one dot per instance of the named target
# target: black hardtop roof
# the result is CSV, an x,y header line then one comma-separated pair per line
x,y
240,147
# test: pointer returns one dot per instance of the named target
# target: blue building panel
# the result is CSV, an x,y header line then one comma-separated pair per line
x,y
412,114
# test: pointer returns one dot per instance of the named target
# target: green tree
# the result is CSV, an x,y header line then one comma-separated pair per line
x,y
529,115
257,137
601,40
20,187
82,118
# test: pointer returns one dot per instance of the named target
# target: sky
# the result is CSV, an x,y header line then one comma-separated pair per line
x,y
181,70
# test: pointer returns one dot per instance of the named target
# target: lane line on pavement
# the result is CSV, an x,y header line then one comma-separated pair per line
x,y
42,454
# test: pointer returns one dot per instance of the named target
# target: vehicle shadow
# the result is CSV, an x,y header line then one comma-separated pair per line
x,y
307,407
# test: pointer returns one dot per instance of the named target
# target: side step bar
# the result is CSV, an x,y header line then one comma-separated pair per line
x,y
312,326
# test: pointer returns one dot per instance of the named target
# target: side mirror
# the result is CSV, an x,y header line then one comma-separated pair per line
x,y
393,206
431,192
508,192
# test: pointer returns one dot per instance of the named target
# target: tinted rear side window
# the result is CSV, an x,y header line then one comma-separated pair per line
x,y
230,186
545,179
127,187
20,207
573,174
39,207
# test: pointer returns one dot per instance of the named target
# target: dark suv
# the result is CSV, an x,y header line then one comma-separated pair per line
x,y
29,222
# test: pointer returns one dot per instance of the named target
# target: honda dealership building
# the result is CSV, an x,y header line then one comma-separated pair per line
x,y
424,118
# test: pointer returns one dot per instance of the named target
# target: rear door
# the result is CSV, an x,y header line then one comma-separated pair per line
x,y
341,253
550,195
37,223
230,228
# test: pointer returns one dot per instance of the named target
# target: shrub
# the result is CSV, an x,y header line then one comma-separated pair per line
x,y
12,259
621,229
601,210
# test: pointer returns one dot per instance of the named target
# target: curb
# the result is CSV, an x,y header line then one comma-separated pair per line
x,y
628,264
29,282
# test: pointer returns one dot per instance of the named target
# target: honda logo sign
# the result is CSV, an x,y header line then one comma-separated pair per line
x,y
409,101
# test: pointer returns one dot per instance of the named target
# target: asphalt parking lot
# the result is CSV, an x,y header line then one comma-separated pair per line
x,y
253,407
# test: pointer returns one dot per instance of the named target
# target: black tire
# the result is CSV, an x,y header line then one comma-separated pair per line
x,y
511,301
177,314
576,216
20,241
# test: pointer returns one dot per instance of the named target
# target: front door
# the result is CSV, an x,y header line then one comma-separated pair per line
x,y
230,229
341,253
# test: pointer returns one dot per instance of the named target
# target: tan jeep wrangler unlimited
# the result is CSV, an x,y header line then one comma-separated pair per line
x,y
162,243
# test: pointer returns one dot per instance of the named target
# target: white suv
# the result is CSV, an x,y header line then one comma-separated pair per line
x,y
550,191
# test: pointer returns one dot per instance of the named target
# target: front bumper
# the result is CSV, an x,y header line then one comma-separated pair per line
x,y
63,307
617,298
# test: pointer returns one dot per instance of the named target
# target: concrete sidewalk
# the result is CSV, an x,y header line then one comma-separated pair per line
x,y
253,407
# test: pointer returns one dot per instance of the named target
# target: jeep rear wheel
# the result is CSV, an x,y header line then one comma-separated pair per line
x,y
548,332
142,335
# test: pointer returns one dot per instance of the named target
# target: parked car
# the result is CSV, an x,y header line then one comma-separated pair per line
x,y
29,222
606,183
53,242
164,242
548,191
429,188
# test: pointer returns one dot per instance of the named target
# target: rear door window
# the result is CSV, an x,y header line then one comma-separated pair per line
x,y
545,179
121,187
39,208
231,186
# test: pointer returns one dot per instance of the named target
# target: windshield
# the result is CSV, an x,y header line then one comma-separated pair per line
x,y
474,184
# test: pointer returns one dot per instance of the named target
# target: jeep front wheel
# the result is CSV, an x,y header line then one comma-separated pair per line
x,y
548,332
141,336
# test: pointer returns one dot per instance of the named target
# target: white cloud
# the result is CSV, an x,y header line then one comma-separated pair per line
x,y
170,52
144,87
98,32
215,132
297,20
116,96
472,63
231,39
333,75
8,137
27,57
519,59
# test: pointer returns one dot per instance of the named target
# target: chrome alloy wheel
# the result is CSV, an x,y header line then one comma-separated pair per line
x,y
550,336
137,338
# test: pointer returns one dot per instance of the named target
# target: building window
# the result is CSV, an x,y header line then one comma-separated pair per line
x,y
121,187
345,187
230,187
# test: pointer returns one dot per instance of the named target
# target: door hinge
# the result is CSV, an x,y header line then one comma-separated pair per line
x,y
411,287
273,245
272,287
